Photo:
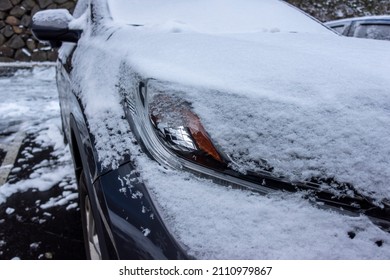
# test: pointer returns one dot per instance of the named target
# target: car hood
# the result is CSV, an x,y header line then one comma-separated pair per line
x,y
312,106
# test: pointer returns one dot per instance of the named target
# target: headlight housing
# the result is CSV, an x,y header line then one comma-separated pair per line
x,y
171,132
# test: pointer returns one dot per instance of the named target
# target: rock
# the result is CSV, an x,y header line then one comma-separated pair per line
x,y
35,10
23,55
60,1
2,39
12,20
31,45
29,4
18,11
6,59
38,56
6,52
25,37
52,6
25,21
2,24
15,42
52,55
17,29
5,5
3,15
68,5
8,31
44,3
15,2
43,45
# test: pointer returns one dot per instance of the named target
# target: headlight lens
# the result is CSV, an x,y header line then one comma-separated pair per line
x,y
180,129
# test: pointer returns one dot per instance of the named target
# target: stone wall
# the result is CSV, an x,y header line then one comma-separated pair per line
x,y
16,40
326,10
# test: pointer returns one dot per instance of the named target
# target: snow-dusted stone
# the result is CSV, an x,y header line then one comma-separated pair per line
x,y
18,11
17,30
31,45
22,55
29,4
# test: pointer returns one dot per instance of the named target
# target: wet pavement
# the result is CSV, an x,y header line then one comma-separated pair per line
x,y
39,213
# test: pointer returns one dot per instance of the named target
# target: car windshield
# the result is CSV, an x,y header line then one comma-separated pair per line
x,y
215,16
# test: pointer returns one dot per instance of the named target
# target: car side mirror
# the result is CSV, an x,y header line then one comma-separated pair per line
x,y
53,26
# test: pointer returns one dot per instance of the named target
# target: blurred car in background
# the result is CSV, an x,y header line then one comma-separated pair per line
x,y
372,27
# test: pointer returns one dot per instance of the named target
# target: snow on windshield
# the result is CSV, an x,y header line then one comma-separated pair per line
x,y
215,16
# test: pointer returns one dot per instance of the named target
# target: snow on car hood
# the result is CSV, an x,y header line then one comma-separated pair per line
x,y
310,105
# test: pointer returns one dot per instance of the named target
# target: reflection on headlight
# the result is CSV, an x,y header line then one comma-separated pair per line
x,y
180,128
178,138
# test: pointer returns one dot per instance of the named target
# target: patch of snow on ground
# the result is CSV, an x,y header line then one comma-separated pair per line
x,y
34,90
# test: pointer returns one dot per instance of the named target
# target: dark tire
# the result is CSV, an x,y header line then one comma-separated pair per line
x,y
88,219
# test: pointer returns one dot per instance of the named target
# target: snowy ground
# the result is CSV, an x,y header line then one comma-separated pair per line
x,y
39,215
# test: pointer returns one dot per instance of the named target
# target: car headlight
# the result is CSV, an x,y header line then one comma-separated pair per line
x,y
171,132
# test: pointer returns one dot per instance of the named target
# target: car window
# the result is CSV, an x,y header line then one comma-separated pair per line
x,y
373,31
339,28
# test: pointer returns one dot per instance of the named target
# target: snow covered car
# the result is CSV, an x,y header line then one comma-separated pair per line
x,y
370,27
223,129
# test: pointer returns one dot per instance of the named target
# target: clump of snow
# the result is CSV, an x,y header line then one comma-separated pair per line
x,y
9,210
61,200
34,245
58,18
72,206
